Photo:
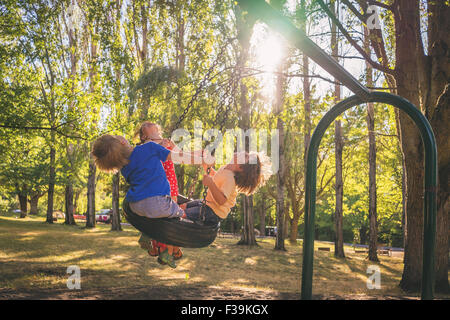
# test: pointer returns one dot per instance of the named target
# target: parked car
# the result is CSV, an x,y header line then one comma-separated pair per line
x,y
58,215
103,215
271,231
79,217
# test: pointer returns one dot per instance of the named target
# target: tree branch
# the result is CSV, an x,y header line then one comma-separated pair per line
x,y
352,41
380,4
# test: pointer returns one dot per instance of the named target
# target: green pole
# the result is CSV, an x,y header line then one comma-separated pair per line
x,y
428,272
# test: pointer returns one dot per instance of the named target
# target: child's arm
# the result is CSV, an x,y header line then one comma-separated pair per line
x,y
181,157
217,194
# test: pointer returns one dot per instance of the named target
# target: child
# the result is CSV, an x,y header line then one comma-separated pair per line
x,y
152,132
225,184
149,192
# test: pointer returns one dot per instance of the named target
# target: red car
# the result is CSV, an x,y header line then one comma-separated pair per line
x,y
103,216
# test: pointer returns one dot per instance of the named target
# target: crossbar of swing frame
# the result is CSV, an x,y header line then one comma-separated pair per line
x,y
298,38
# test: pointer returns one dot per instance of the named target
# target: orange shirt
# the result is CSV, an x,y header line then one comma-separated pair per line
x,y
224,180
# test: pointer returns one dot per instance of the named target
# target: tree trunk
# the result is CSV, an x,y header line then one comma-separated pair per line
x,y
422,79
245,28
281,174
90,214
339,145
439,115
287,220
115,216
262,216
51,180
294,224
34,200
248,232
407,60
279,243
75,201
69,205
440,120
339,190
373,231
23,203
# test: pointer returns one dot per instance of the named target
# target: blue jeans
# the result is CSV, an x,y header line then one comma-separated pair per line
x,y
157,207
193,209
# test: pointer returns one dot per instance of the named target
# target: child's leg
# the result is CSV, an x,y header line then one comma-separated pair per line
x,y
167,257
157,207
194,213
193,210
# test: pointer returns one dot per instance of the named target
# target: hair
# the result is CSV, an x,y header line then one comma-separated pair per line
x,y
253,175
110,155
140,132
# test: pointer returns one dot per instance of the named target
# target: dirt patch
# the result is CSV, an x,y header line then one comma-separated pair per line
x,y
145,293
173,293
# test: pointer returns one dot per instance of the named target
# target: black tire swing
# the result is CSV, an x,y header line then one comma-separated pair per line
x,y
173,231
176,231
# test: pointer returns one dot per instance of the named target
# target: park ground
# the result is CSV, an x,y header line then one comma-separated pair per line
x,y
34,257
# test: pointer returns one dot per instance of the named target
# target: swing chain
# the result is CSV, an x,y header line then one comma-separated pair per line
x,y
205,192
230,87
201,85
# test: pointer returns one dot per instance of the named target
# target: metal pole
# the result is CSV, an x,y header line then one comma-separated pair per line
x,y
430,205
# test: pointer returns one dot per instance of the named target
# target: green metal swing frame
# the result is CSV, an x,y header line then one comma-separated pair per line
x,y
274,19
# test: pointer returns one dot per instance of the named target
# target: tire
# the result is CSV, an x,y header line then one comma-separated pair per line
x,y
172,231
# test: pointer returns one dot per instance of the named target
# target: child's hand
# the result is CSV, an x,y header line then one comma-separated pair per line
x,y
207,181
168,144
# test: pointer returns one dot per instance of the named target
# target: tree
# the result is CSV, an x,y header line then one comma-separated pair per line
x,y
339,145
244,25
421,76
373,232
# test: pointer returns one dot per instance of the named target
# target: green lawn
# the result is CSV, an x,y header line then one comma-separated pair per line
x,y
35,256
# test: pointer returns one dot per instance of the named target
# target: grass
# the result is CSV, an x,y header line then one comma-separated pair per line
x,y
35,255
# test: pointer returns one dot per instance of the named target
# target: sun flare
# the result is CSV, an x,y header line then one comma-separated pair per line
x,y
267,50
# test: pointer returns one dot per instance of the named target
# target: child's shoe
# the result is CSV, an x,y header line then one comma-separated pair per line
x,y
145,242
177,254
154,250
167,258
149,247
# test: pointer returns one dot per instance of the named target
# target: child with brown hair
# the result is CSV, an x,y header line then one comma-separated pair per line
x,y
244,174
149,131
141,166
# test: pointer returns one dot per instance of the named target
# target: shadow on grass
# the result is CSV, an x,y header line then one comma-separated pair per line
x,y
35,256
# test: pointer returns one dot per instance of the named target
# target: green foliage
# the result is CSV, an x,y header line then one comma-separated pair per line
x,y
65,80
